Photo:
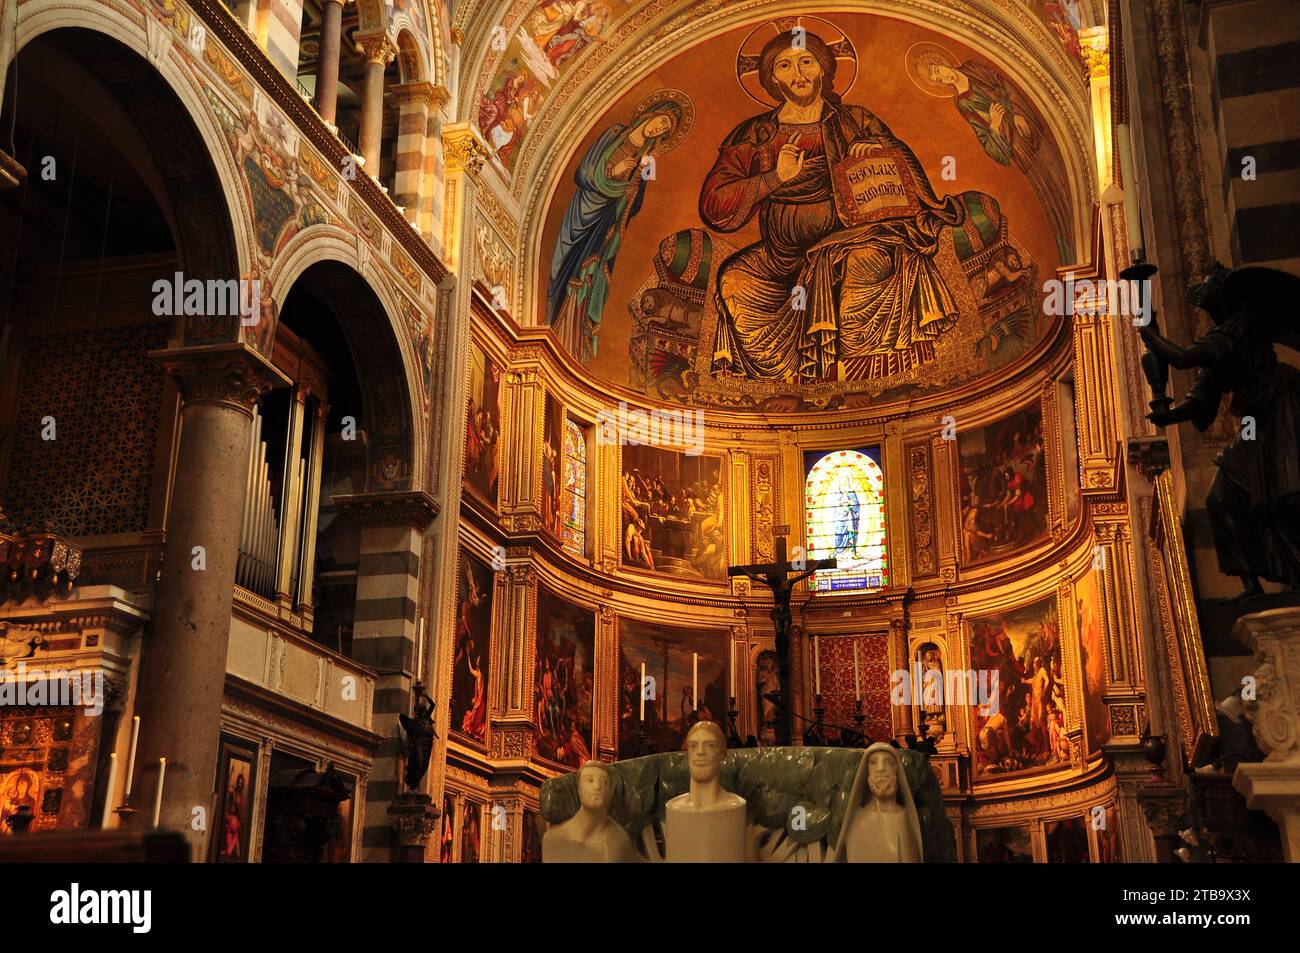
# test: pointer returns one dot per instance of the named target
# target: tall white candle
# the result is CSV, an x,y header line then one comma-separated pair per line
x,y
109,790
1132,213
130,757
642,690
857,677
732,693
695,681
817,664
157,801
419,658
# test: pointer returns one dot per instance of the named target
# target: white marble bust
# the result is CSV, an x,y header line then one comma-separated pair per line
x,y
707,824
590,836
881,825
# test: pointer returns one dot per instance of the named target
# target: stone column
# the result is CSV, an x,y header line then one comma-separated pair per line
x,y
1273,785
327,63
379,52
183,672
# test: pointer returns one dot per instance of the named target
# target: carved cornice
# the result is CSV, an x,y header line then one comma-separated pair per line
x,y
414,508
229,375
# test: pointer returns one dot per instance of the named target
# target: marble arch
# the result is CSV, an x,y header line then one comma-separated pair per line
x,y
152,43
327,244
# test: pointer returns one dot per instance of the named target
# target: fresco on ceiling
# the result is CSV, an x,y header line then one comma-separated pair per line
x,y
822,211
541,49
1065,19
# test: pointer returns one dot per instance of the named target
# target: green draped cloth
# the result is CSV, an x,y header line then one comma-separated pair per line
x,y
773,782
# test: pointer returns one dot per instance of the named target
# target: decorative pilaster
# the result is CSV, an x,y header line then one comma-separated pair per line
x,y
464,152
511,692
524,407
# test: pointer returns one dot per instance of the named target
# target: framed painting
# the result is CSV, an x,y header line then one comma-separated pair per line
x,y
1004,845
673,518
1002,475
470,663
471,832
1021,725
564,679
1066,841
236,793
447,830
679,663
483,426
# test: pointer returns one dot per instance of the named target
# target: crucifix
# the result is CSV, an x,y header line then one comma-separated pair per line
x,y
776,576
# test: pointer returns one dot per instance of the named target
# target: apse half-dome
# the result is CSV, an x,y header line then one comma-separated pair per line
x,y
845,209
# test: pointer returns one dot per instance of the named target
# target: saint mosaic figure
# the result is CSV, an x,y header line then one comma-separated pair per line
x,y
611,185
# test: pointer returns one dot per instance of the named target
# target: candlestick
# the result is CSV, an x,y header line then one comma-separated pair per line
x,y
857,676
157,801
817,666
130,758
695,681
108,790
643,691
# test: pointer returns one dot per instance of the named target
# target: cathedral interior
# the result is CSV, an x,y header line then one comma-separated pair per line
x,y
405,404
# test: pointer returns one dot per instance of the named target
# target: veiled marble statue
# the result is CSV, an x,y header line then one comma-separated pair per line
x,y
590,836
881,825
706,824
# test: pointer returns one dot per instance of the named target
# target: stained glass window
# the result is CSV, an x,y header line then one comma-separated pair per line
x,y
844,498
573,491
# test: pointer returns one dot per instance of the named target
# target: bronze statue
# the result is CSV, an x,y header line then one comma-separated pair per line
x,y
1254,502
420,736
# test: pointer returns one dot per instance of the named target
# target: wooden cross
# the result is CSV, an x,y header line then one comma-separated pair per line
x,y
776,576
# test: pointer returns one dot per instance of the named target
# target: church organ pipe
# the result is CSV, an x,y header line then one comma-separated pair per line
x,y
246,523
286,541
311,504
255,569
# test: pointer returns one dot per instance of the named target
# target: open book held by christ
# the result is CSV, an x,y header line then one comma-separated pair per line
x,y
875,187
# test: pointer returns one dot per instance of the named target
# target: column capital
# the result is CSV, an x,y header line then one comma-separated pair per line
x,y
377,48
413,508
465,150
231,375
